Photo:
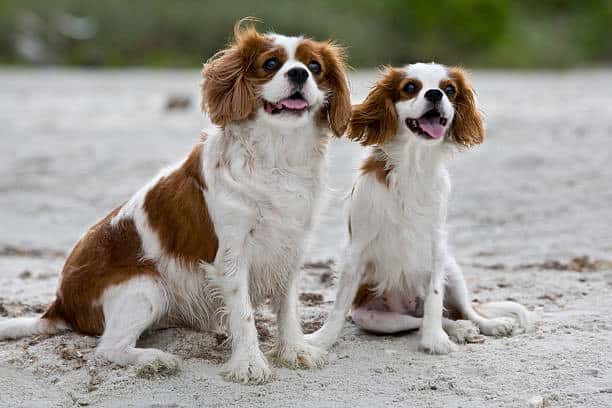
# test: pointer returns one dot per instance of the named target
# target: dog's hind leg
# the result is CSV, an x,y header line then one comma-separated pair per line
x,y
51,322
388,322
457,296
27,326
350,278
129,309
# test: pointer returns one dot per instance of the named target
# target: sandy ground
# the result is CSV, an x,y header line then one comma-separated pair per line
x,y
530,221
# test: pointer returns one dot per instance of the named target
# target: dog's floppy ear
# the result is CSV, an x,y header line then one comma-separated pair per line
x,y
229,89
375,120
468,126
338,110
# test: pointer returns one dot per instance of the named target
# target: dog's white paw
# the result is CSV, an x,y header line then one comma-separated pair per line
x,y
156,363
437,342
464,331
298,355
320,339
247,369
498,327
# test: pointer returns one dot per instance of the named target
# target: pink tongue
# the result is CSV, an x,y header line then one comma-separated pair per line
x,y
296,104
432,127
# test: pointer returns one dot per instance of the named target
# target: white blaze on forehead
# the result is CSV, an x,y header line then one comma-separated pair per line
x,y
290,44
430,75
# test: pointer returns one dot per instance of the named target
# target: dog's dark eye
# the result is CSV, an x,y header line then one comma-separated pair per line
x,y
410,87
271,64
314,67
450,90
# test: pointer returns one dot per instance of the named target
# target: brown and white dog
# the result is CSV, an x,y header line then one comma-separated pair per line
x,y
397,265
208,240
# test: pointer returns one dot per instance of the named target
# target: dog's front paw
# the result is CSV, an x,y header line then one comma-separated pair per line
x,y
437,342
463,331
320,339
498,327
298,355
247,369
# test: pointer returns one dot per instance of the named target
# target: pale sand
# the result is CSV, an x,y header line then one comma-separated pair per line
x,y
76,143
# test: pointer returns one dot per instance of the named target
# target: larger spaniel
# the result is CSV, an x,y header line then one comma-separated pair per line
x,y
208,240
399,272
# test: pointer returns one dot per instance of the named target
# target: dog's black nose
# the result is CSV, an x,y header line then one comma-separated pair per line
x,y
433,95
297,75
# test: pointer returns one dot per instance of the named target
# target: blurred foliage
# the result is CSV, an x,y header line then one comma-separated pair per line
x,y
499,33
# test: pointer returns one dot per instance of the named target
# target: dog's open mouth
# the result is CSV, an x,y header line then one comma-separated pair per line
x,y
296,103
432,125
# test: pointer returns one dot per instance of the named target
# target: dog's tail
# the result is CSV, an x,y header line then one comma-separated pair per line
x,y
506,309
49,323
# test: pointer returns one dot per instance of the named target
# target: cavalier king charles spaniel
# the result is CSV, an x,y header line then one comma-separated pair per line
x,y
211,238
399,272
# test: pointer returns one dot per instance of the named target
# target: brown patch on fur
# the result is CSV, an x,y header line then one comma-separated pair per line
x,y
229,90
177,211
375,120
467,128
107,255
374,163
260,74
404,95
364,295
332,78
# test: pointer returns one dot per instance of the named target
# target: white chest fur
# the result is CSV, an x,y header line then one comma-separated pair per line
x,y
263,189
399,219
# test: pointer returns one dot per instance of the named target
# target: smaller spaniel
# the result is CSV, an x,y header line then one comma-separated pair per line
x,y
399,273
208,240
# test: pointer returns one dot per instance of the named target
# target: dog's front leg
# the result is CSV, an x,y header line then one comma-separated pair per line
x,y
433,337
291,349
247,363
351,276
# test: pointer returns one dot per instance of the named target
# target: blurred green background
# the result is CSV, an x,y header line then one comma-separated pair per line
x,y
184,33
